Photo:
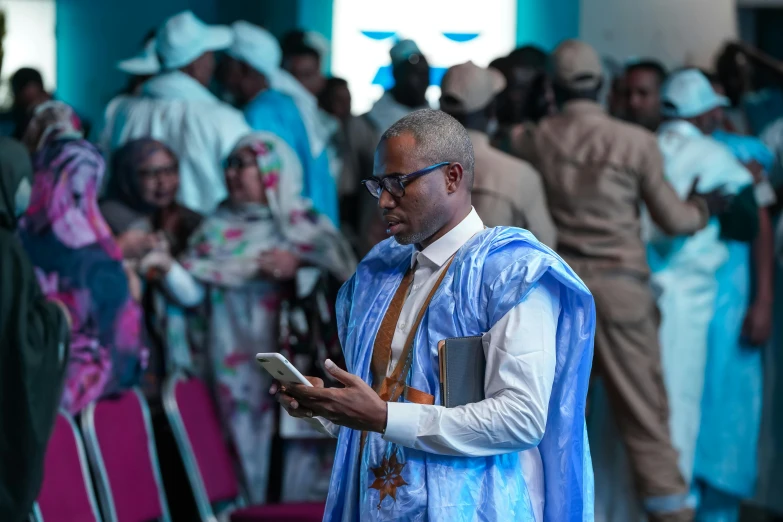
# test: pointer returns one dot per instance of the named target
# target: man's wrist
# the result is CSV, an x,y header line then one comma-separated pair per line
x,y
382,425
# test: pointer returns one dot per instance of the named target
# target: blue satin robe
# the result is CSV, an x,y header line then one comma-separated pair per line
x,y
490,275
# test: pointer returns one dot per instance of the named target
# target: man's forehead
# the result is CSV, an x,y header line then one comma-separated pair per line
x,y
396,154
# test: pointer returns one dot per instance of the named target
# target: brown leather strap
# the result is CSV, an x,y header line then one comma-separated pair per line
x,y
381,351
392,387
418,396
400,373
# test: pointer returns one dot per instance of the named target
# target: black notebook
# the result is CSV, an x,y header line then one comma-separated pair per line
x,y
462,367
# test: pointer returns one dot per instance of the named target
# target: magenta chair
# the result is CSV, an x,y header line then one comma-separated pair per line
x,y
196,426
121,446
66,493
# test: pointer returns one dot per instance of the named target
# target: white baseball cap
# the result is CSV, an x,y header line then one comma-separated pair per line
x,y
256,47
184,37
143,64
689,93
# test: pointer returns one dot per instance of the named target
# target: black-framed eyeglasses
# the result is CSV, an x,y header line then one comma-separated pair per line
x,y
158,172
394,184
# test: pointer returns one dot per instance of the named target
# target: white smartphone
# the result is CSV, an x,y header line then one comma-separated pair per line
x,y
279,368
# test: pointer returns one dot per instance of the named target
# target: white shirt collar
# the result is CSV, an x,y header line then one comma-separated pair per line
x,y
441,250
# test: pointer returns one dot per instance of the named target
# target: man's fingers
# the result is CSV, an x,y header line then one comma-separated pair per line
x,y
316,382
309,393
293,407
338,373
288,402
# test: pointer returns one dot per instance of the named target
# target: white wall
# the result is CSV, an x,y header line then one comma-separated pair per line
x,y
29,41
675,32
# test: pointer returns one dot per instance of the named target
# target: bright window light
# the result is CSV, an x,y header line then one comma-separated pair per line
x,y
448,32
29,42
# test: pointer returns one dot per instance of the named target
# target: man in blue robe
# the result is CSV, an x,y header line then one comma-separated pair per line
x,y
521,453
272,100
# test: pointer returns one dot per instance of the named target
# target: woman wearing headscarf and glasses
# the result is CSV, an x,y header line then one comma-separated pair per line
x,y
140,207
33,348
261,255
77,260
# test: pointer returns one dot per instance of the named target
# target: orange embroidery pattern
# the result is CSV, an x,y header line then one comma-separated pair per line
x,y
388,477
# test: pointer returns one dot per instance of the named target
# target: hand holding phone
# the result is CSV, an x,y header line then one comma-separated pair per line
x,y
280,369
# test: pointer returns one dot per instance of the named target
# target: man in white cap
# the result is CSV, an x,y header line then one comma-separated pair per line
x,y
274,101
411,78
597,171
506,191
685,270
177,108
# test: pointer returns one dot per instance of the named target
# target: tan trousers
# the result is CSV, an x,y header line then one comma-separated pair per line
x,y
628,358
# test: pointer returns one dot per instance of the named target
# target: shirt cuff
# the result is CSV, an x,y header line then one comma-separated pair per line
x,y
402,423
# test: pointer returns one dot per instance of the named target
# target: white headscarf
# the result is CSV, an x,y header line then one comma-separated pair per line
x,y
226,247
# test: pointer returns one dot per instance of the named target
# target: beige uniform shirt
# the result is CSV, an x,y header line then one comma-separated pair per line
x,y
597,171
508,191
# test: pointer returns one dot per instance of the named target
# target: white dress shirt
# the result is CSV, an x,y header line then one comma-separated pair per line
x,y
520,369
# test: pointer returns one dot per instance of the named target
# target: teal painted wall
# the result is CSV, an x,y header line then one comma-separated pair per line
x,y
547,22
92,35
316,15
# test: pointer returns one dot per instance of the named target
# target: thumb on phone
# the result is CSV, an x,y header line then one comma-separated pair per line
x,y
338,373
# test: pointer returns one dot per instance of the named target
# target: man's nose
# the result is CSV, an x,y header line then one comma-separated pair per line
x,y
386,201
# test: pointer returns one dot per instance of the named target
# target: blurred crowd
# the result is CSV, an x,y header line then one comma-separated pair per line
x,y
221,206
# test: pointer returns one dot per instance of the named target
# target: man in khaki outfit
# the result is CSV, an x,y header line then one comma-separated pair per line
x,y
597,171
506,191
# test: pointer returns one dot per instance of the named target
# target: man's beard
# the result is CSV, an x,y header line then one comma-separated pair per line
x,y
429,228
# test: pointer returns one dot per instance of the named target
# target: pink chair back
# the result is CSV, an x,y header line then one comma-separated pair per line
x,y
196,425
66,493
120,443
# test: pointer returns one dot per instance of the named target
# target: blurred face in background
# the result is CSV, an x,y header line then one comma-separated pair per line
x,y
707,122
30,96
239,81
202,68
720,115
337,100
616,100
229,76
411,79
307,69
515,98
643,98
159,178
243,178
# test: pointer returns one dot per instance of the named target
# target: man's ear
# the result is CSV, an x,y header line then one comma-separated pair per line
x,y
454,177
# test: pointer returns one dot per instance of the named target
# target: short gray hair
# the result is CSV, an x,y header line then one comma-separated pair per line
x,y
439,137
